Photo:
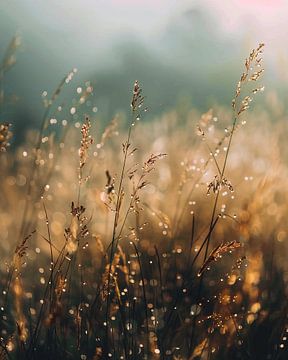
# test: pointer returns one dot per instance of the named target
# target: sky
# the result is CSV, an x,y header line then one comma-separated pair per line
x,y
186,40
92,25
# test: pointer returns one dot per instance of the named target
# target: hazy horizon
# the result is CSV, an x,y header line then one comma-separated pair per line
x,y
191,50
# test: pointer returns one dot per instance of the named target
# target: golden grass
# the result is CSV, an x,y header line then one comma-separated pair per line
x,y
163,241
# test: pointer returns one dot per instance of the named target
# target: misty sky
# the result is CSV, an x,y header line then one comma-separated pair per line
x,y
185,42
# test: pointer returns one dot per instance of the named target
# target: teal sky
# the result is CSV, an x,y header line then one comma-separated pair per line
x,y
193,48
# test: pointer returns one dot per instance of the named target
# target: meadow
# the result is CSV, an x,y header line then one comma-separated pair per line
x,y
146,240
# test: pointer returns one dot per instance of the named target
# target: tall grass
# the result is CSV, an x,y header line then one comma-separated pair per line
x,y
158,241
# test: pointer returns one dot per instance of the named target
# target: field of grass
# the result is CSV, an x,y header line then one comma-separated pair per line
x,y
159,240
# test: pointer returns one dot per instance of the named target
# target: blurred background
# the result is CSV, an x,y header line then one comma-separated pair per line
x,y
185,53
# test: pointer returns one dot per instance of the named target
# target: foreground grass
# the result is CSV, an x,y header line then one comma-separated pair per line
x,y
163,241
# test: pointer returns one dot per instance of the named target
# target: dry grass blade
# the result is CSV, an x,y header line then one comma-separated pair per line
x,y
86,142
5,136
218,252
199,349
137,98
